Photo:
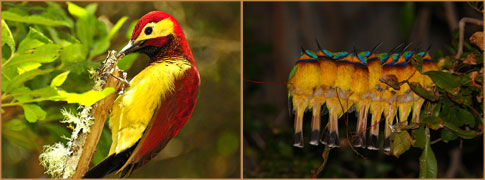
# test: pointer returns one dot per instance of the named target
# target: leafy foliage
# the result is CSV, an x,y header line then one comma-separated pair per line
x,y
454,113
46,55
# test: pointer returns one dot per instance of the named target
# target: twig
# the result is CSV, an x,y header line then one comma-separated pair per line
x,y
435,141
461,26
455,163
100,110
347,124
325,154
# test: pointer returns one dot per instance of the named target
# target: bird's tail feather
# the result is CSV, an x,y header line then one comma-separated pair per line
x,y
111,164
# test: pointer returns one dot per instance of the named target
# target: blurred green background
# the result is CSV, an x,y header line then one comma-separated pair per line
x,y
209,144
274,33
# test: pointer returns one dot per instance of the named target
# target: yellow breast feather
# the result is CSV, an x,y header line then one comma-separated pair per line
x,y
133,110
329,72
344,75
360,80
307,75
375,72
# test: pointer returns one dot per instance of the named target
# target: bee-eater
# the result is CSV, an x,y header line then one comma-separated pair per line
x,y
303,81
361,96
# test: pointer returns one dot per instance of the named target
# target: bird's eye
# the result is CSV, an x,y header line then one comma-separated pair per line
x,y
148,30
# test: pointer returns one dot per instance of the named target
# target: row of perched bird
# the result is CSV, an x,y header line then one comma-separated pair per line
x,y
347,81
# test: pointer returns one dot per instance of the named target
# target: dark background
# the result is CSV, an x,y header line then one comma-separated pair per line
x,y
273,35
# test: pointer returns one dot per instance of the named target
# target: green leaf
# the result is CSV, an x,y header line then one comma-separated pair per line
x,y
20,79
433,122
85,29
466,117
45,92
419,137
34,19
21,94
76,10
86,24
99,47
91,8
55,11
130,29
43,54
419,90
427,161
445,80
400,143
126,62
87,98
101,29
74,53
28,67
59,79
447,135
458,116
116,27
7,37
33,40
33,112
460,132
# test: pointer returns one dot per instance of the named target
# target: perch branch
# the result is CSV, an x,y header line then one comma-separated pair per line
x,y
100,111
461,26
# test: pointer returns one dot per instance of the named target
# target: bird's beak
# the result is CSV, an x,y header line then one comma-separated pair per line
x,y
130,47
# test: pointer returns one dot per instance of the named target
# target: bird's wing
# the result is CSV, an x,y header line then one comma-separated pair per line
x,y
133,111
170,116
290,98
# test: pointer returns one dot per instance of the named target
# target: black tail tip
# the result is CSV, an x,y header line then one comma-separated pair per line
x,y
325,135
373,143
387,145
333,139
315,136
359,141
298,139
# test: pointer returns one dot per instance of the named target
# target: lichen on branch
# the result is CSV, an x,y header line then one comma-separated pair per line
x,y
72,160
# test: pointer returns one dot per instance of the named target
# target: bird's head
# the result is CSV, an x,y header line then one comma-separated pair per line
x,y
155,32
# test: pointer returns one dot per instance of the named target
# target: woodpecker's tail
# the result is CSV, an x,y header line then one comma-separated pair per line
x,y
110,164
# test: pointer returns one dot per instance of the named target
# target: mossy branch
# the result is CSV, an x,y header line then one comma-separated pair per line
x,y
73,161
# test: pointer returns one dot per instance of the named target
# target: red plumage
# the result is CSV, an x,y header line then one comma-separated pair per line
x,y
177,105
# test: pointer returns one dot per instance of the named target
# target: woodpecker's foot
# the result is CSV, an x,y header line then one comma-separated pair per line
x,y
122,79
333,139
373,143
359,141
387,145
298,139
314,137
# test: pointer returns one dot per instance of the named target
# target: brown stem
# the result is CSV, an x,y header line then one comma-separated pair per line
x,y
461,26
100,111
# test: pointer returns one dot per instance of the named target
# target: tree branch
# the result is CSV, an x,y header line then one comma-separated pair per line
x,y
100,110
461,26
